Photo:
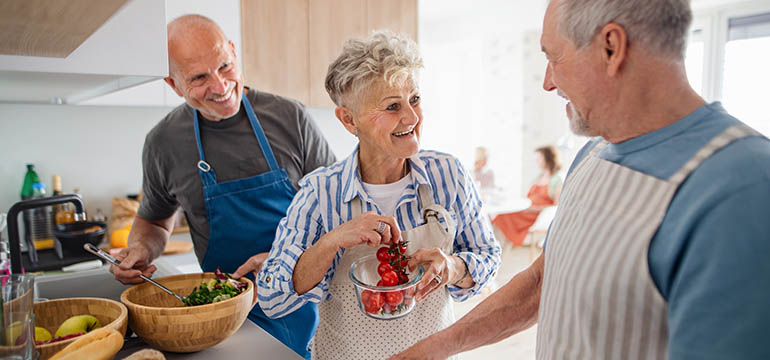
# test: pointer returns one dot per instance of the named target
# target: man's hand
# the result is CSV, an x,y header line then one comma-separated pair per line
x,y
252,265
423,350
134,261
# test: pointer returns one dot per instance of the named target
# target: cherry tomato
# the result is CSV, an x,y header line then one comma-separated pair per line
x,y
383,268
383,255
401,248
380,283
402,278
394,298
390,278
372,301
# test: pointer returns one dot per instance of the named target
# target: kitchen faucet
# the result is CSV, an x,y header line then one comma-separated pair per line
x,y
13,229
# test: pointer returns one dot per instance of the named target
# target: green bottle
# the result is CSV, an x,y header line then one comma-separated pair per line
x,y
27,192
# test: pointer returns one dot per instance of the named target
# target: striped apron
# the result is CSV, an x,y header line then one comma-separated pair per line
x,y
346,333
598,298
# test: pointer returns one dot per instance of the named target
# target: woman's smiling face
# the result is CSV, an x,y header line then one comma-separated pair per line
x,y
388,119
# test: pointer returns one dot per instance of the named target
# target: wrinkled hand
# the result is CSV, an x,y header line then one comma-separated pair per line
x,y
134,261
363,230
437,266
252,265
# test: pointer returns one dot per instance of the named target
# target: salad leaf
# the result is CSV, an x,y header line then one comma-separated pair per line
x,y
220,288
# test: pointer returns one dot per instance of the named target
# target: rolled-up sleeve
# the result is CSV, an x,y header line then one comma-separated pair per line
x,y
296,232
474,242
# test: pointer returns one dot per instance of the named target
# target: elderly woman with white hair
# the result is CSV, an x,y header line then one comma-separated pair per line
x,y
382,193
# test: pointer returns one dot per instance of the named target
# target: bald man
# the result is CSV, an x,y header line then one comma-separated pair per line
x,y
231,157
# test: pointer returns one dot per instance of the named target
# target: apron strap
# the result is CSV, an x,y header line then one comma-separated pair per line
x,y
208,177
726,137
601,145
207,173
355,207
267,151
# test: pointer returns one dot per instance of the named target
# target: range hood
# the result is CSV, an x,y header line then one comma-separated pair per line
x,y
65,52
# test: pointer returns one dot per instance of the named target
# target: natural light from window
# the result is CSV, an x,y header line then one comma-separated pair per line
x,y
694,60
746,76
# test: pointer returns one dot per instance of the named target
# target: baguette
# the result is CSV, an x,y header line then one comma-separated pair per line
x,y
99,344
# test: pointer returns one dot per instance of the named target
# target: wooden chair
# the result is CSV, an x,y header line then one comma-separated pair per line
x,y
538,230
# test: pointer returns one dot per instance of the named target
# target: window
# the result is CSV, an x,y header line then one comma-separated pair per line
x,y
746,70
726,59
696,49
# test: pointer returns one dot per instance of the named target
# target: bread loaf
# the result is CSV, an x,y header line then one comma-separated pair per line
x,y
146,354
99,344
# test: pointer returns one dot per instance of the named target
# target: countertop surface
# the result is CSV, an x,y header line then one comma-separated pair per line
x,y
249,342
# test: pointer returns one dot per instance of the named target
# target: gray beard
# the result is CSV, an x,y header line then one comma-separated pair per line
x,y
577,124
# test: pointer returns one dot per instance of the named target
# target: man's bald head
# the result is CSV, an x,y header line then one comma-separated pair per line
x,y
190,35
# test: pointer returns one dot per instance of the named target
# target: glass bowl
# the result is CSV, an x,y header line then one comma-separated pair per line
x,y
382,302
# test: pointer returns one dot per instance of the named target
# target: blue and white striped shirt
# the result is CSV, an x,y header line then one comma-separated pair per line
x,y
323,203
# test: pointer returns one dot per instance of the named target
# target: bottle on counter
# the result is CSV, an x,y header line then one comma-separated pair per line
x,y
29,178
41,226
63,213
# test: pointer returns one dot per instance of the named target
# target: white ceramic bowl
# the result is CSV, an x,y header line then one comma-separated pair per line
x,y
397,301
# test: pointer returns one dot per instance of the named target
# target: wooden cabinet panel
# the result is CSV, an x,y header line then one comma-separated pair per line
x,y
289,44
275,46
397,15
331,23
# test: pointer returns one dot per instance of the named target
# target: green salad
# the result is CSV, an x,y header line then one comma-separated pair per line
x,y
220,288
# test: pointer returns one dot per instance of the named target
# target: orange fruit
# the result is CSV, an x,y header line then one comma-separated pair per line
x,y
119,238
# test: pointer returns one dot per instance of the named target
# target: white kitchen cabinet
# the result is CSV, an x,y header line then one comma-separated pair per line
x,y
127,50
226,13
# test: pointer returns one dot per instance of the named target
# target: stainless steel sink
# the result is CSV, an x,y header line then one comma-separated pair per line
x,y
88,283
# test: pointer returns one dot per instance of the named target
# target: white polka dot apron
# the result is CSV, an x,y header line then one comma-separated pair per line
x,y
345,332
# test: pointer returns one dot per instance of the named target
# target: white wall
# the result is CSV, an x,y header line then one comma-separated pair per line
x,y
95,148
482,85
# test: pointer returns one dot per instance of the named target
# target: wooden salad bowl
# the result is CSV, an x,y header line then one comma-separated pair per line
x,y
163,322
50,314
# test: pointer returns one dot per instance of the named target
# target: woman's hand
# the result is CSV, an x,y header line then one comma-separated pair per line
x,y
440,269
368,228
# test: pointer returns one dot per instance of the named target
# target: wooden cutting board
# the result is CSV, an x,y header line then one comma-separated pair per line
x,y
177,247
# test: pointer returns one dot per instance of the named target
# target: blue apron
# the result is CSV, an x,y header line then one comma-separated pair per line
x,y
243,215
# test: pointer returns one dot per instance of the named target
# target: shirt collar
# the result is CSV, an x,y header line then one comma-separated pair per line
x,y
351,170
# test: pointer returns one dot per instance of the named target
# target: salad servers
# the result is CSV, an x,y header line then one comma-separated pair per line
x,y
109,258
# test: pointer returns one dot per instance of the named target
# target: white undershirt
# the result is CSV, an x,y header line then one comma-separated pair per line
x,y
386,195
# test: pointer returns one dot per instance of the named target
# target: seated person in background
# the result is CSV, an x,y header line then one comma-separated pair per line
x,y
483,175
543,193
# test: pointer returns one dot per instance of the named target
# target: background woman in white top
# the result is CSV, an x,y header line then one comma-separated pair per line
x,y
335,217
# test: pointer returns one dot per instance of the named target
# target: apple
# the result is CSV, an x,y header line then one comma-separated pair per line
x,y
13,332
41,334
78,324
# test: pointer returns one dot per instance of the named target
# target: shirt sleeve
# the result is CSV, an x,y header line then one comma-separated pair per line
x,y
318,153
474,242
720,291
296,232
156,202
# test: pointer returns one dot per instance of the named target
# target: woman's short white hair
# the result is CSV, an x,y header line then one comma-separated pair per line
x,y
392,57
659,25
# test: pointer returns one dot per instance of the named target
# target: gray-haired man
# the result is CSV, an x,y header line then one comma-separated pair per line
x,y
659,247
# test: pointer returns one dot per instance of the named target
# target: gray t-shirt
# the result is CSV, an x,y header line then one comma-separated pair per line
x,y
170,156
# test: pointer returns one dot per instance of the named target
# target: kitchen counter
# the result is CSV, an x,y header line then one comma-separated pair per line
x,y
249,342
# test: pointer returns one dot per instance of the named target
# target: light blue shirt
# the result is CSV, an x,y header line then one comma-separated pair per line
x,y
710,258
317,209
